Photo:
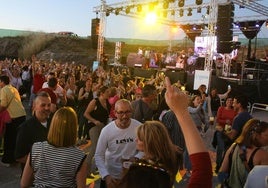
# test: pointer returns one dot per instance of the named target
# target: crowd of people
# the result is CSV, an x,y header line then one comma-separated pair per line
x,y
142,131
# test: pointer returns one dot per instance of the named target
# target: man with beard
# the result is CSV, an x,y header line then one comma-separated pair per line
x,y
240,104
34,129
116,143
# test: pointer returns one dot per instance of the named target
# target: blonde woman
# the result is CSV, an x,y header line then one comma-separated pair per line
x,y
161,158
57,162
245,153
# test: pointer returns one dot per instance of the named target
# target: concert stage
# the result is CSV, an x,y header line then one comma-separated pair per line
x,y
255,90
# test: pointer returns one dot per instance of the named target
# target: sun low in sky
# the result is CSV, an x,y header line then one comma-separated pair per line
x,y
150,18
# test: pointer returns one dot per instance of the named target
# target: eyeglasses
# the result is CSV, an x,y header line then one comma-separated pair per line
x,y
123,112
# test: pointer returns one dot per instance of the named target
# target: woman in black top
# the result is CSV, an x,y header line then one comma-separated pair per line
x,y
97,114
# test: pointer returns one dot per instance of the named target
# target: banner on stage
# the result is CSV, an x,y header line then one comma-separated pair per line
x,y
201,77
95,65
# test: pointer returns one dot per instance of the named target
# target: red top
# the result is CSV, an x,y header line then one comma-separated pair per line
x,y
224,114
201,171
38,81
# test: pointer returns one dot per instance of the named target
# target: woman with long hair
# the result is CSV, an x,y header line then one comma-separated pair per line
x,y
158,152
245,153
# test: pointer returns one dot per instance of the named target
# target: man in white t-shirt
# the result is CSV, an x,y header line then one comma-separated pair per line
x,y
116,144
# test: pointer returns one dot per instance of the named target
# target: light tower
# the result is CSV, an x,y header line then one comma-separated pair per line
x,y
212,14
101,30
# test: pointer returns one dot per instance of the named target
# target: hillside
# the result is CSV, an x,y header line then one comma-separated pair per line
x,y
77,49
60,48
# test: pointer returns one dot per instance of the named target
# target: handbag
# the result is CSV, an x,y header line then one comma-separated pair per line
x,y
4,119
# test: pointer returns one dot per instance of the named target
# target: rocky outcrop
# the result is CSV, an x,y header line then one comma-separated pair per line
x,y
9,47
48,47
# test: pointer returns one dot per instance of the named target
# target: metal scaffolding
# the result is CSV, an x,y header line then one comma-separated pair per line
x,y
102,13
130,8
213,12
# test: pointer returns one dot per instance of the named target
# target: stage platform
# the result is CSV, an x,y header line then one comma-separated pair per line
x,y
255,90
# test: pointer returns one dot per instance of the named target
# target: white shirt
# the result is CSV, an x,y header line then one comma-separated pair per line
x,y
115,144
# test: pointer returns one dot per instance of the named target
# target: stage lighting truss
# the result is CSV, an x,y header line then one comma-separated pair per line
x,y
173,10
169,10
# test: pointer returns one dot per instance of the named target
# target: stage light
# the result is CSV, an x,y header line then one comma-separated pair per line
x,y
257,24
199,10
181,12
208,10
117,11
236,25
108,11
127,10
181,3
189,12
198,2
165,5
139,8
151,6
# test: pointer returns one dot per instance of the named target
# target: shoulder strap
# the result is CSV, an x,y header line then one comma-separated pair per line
x,y
250,161
231,156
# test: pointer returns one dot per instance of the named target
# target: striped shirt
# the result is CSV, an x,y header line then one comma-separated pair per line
x,y
55,166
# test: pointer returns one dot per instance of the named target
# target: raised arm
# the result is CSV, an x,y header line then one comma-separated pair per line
x,y
199,156
178,103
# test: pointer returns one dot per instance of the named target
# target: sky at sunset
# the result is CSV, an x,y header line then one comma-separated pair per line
x,y
76,15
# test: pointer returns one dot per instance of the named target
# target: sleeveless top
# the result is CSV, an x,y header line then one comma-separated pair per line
x,y
85,101
238,171
215,103
100,113
55,166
